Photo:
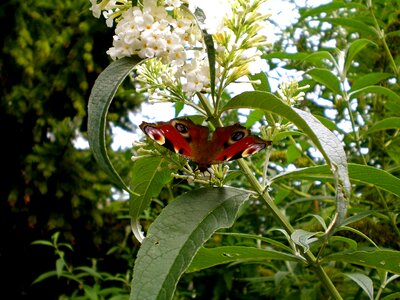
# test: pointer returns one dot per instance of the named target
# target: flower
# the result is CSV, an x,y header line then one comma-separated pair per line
x,y
166,30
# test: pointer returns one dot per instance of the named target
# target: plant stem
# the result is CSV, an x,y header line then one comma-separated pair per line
x,y
309,256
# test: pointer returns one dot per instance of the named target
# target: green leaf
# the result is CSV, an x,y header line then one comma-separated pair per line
x,y
264,84
149,176
376,90
317,58
357,173
42,242
394,296
388,260
357,232
209,42
352,24
59,266
352,243
303,238
254,117
270,241
328,123
285,55
91,292
369,79
209,257
328,8
89,271
329,145
176,235
389,123
327,78
44,276
292,153
352,51
363,282
376,177
102,93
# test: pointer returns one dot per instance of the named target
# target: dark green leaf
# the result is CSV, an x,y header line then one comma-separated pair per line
x,y
354,48
377,90
264,84
327,78
149,176
394,296
209,42
357,173
209,257
389,123
369,79
303,238
330,147
328,8
353,24
318,58
388,260
363,282
102,94
177,234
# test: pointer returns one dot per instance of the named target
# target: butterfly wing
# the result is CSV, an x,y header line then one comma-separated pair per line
x,y
181,136
184,137
234,142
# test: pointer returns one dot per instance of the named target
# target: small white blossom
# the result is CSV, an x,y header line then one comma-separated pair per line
x,y
95,8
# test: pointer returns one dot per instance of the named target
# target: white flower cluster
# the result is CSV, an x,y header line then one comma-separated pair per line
x,y
166,30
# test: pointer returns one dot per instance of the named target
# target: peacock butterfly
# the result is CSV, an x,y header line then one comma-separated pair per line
x,y
184,137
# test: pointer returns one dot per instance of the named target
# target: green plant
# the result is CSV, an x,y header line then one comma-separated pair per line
x,y
89,282
310,243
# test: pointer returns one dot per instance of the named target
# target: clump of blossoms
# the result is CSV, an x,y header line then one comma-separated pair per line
x,y
168,35
291,93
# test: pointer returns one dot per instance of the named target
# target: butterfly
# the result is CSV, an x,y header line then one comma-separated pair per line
x,y
186,138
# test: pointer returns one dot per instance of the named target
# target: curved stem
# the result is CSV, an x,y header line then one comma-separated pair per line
x,y
309,256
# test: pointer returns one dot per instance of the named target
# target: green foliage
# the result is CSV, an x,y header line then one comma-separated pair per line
x,y
291,241
312,246
51,54
90,283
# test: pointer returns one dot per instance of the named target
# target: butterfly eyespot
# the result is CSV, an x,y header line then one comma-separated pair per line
x,y
181,128
237,136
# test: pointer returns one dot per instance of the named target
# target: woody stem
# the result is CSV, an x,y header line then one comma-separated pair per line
x,y
309,256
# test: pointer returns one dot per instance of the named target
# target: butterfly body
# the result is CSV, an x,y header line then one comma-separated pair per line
x,y
184,137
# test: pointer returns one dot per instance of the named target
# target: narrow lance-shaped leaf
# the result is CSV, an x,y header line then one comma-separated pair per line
x,y
364,282
353,49
323,139
149,176
352,24
369,79
327,78
358,174
102,94
388,260
176,235
209,42
392,96
389,123
209,257
337,160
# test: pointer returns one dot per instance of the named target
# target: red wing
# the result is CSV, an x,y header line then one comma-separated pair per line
x,y
184,137
166,135
243,148
234,142
181,136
